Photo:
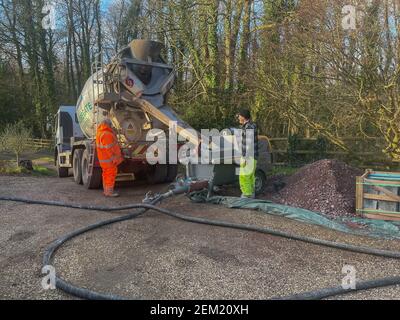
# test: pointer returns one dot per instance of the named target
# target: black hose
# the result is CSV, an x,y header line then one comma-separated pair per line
x,y
54,246
335,291
319,294
74,206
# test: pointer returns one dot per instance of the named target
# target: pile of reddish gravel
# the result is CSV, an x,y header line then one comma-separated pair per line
x,y
326,186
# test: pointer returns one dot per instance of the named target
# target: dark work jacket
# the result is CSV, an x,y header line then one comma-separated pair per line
x,y
250,126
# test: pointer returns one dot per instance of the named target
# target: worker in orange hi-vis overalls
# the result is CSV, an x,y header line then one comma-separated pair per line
x,y
109,155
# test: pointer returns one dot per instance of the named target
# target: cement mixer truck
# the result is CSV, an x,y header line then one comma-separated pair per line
x,y
132,90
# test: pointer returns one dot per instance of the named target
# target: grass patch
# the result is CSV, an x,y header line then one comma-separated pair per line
x,y
10,168
13,170
43,171
44,159
282,170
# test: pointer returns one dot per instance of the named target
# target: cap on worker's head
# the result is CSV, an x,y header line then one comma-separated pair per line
x,y
107,122
245,113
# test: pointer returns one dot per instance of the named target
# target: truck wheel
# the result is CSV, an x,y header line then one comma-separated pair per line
x,y
90,181
158,174
76,166
61,171
261,181
172,172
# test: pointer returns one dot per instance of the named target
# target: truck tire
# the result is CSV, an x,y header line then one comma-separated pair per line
x,y
158,174
172,172
261,181
90,181
76,166
61,171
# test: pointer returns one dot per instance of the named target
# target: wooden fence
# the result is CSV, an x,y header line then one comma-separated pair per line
x,y
42,143
367,149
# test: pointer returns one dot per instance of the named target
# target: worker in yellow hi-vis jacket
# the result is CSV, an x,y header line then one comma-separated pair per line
x,y
248,162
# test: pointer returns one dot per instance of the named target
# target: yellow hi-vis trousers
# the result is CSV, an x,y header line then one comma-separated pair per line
x,y
247,176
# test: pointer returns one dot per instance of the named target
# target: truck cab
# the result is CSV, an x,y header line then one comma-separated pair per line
x,y
66,126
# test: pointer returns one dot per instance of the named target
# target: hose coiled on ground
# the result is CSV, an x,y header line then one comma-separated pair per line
x,y
88,294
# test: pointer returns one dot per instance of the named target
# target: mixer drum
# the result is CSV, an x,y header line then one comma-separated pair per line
x,y
129,125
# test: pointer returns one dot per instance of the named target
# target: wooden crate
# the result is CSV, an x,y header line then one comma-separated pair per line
x,y
378,195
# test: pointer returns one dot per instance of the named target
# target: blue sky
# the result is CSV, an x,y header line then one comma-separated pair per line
x,y
105,3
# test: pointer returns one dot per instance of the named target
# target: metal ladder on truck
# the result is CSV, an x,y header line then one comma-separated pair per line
x,y
98,88
102,98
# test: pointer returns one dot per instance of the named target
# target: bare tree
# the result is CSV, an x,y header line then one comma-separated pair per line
x,y
16,139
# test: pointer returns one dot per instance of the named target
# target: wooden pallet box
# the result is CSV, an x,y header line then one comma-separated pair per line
x,y
378,195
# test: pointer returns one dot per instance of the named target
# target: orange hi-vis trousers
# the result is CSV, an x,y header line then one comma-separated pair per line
x,y
109,155
109,176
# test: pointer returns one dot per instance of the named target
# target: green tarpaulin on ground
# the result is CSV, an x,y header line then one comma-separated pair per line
x,y
353,225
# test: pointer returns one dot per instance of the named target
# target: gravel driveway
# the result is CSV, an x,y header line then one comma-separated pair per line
x,y
157,257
